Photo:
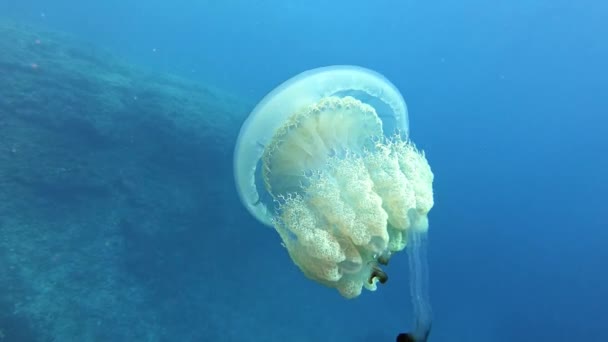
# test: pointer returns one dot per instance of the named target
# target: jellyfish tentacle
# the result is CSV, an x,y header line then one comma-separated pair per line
x,y
419,284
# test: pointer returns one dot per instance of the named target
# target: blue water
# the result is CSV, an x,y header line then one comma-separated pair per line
x,y
507,98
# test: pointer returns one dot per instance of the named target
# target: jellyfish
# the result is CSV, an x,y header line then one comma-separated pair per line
x,y
326,160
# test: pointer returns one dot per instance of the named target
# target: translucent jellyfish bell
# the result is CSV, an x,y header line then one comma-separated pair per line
x,y
300,91
326,160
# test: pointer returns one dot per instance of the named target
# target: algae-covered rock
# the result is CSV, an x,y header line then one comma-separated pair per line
x,y
110,176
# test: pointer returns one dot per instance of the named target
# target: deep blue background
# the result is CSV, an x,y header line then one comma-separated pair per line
x,y
507,98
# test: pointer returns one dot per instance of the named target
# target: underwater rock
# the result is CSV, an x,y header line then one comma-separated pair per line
x,y
107,172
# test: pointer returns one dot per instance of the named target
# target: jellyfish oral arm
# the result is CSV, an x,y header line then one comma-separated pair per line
x,y
419,281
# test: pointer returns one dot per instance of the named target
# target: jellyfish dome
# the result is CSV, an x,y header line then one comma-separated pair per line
x,y
326,159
